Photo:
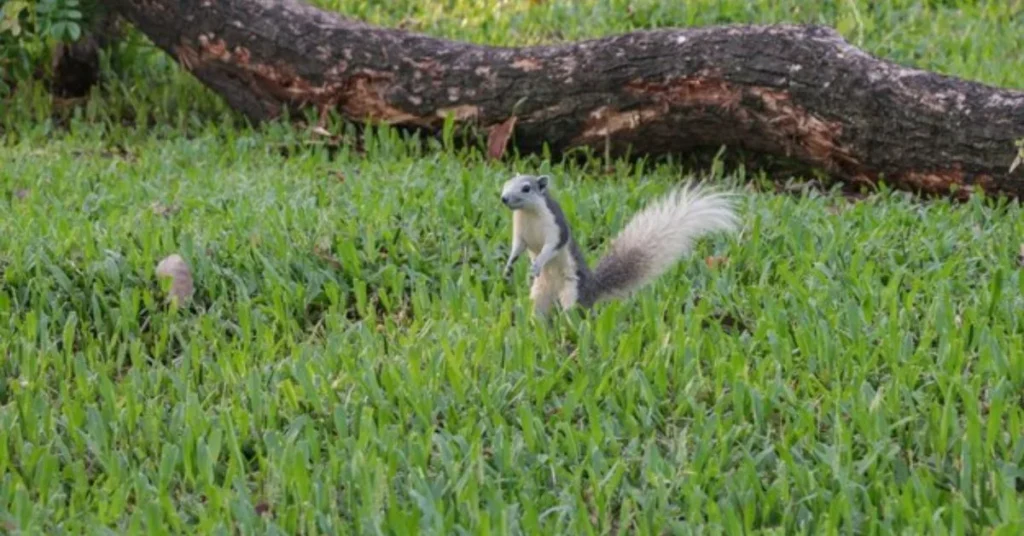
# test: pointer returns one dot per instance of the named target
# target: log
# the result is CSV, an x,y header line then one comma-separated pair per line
x,y
795,91
76,66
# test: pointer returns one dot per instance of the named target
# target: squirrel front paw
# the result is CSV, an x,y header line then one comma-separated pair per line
x,y
534,271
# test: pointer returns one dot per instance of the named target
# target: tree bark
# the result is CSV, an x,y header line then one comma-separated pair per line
x,y
794,91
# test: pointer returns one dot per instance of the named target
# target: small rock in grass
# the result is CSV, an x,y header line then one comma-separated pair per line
x,y
175,268
161,209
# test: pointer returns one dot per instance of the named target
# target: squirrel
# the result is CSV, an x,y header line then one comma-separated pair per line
x,y
654,240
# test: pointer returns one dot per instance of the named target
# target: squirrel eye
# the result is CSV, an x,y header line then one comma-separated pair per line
x,y
526,189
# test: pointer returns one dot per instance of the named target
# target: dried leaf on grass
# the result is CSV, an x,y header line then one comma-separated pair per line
x,y
714,262
497,138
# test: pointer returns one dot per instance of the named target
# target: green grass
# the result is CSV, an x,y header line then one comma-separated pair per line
x,y
353,363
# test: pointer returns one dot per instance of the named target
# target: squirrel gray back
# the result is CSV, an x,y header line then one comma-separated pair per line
x,y
567,238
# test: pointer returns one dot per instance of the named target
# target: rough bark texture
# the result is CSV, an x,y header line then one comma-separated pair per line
x,y
796,91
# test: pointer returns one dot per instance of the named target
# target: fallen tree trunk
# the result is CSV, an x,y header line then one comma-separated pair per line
x,y
76,66
795,91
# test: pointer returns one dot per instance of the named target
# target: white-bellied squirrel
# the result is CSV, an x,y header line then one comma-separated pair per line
x,y
655,239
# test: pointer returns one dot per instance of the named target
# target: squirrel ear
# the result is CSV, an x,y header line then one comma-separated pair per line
x,y
542,182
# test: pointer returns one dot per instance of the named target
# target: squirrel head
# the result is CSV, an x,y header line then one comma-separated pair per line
x,y
525,192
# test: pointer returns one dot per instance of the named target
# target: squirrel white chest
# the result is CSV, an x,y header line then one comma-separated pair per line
x,y
534,230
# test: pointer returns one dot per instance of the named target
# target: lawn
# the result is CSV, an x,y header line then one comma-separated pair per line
x,y
352,362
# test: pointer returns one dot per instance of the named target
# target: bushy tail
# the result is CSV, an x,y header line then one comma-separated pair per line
x,y
656,238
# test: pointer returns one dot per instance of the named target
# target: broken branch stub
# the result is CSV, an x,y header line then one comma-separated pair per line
x,y
800,92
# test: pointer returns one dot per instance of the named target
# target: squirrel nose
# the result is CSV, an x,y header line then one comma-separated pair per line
x,y
504,199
